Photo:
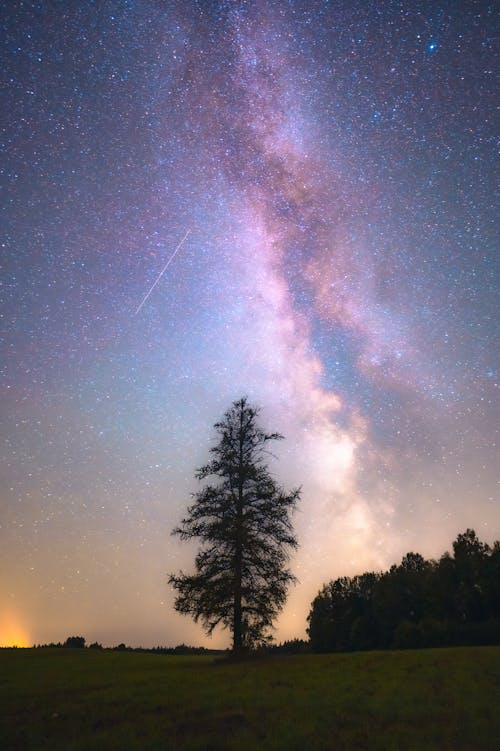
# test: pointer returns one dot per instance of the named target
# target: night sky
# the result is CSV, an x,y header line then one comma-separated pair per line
x,y
333,163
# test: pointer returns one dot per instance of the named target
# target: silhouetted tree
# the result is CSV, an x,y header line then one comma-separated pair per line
x,y
491,581
470,555
243,520
342,617
75,641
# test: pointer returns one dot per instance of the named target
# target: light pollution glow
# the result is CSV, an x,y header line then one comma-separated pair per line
x,y
12,632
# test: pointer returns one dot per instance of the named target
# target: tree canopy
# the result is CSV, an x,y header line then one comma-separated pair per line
x,y
242,517
455,600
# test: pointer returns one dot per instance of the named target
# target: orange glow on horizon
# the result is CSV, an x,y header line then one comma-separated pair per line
x,y
12,632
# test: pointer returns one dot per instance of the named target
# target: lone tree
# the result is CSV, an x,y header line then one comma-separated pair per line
x,y
242,518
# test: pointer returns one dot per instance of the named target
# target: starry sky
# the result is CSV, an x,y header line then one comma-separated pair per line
x,y
333,166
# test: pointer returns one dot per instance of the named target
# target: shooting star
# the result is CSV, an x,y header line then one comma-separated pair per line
x,y
163,270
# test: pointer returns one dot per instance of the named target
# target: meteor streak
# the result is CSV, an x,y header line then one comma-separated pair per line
x,y
163,270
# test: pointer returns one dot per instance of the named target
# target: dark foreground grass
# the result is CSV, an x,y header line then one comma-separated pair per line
x,y
75,700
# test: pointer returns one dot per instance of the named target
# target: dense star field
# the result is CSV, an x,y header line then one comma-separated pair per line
x,y
333,166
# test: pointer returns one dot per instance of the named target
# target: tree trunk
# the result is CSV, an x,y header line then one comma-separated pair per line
x,y
237,614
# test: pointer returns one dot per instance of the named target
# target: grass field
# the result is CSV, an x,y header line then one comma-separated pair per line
x,y
71,700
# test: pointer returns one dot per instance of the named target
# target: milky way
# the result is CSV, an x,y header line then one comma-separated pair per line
x,y
334,163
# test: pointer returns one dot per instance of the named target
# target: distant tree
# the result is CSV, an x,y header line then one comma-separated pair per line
x,y
470,556
364,628
243,521
77,642
321,619
491,581
95,645
341,615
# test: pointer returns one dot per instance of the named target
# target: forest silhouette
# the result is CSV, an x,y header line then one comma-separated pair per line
x,y
420,603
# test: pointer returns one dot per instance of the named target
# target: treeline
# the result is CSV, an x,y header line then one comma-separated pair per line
x,y
290,647
180,649
78,642
420,603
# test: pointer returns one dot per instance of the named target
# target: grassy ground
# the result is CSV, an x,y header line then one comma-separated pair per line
x,y
76,700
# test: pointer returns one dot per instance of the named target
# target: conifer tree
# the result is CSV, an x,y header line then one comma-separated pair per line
x,y
242,517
